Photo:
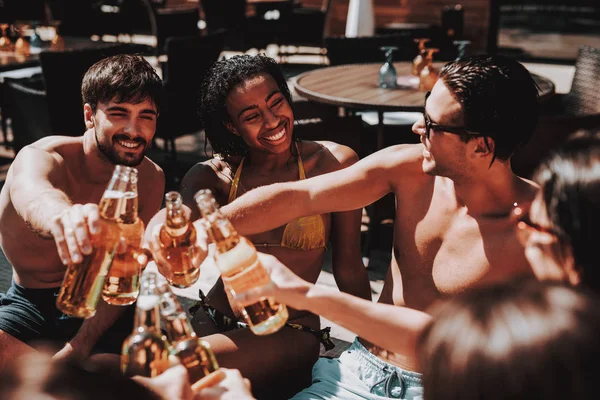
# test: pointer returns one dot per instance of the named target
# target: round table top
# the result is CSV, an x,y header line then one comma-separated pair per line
x,y
355,86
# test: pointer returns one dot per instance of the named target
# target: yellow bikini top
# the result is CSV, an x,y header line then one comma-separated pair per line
x,y
305,233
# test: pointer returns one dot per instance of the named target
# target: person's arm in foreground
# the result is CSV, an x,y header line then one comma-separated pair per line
x,y
223,384
351,188
390,327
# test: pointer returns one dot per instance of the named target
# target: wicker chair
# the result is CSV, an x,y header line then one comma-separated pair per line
x,y
564,114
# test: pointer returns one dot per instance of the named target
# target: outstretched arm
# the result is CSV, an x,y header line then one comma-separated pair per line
x,y
390,327
351,188
37,192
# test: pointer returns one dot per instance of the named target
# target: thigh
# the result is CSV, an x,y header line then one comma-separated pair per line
x,y
10,348
112,340
272,363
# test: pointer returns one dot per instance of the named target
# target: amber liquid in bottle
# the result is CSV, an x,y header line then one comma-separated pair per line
x,y
122,283
180,258
83,282
194,353
241,269
145,351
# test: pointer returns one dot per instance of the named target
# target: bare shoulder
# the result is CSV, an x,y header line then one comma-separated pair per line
x,y
406,155
49,156
60,147
150,170
215,174
326,156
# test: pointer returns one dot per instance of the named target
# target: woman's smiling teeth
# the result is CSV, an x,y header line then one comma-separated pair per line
x,y
276,136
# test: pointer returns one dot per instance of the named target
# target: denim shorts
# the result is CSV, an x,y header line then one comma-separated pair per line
x,y
359,374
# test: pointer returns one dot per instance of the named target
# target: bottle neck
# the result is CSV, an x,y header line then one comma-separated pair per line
x,y
174,317
120,197
129,208
147,314
219,229
222,233
176,222
178,327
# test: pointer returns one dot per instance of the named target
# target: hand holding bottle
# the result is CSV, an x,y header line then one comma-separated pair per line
x,y
223,384
285,286
72,231
177,247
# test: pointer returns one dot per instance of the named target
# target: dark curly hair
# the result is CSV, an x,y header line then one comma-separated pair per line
x,y
499,99
221,78
125,77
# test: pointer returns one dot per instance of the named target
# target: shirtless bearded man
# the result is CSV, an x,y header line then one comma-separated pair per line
x,y
49,204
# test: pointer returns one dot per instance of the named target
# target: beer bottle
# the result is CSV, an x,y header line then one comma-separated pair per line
x,y
146,351
83,282
240,268
193,352
176,254
122,283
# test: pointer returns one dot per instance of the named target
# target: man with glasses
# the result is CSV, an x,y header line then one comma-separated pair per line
x,y
454,195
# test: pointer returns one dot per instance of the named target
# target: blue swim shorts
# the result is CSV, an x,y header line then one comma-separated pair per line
x,y
358,374
31,316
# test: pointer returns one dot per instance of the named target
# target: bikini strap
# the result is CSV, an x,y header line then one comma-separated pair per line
x,y
236,182
300,164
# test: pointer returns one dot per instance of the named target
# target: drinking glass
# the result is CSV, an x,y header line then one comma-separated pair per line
x,y
387,72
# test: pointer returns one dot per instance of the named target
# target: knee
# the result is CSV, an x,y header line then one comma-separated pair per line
x,y
10,348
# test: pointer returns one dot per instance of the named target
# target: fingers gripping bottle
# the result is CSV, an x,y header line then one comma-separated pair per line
x,y
146,351
240,268
122,283
179,257
193,352
83,282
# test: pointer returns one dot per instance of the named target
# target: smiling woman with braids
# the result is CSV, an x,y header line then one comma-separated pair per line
x,y
245,105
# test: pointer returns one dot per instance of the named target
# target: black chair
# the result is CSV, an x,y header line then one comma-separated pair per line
x,y
29,113
101,17
63,72
189,59
306,26
231,18
173,22
564,114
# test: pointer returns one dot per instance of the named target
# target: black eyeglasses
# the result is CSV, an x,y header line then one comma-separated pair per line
x,y
456,130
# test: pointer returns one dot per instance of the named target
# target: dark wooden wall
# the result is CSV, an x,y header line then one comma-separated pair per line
x,y
476,15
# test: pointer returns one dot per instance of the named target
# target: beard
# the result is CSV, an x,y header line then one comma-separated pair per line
x,y
110,152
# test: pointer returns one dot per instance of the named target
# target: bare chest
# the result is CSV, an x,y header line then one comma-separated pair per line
x,y
445,251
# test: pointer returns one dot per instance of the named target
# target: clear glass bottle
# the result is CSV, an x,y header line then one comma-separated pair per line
x,y
83,282
122,282
419,61
177,255
240,268
146,350
428,76
193,352
387,73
